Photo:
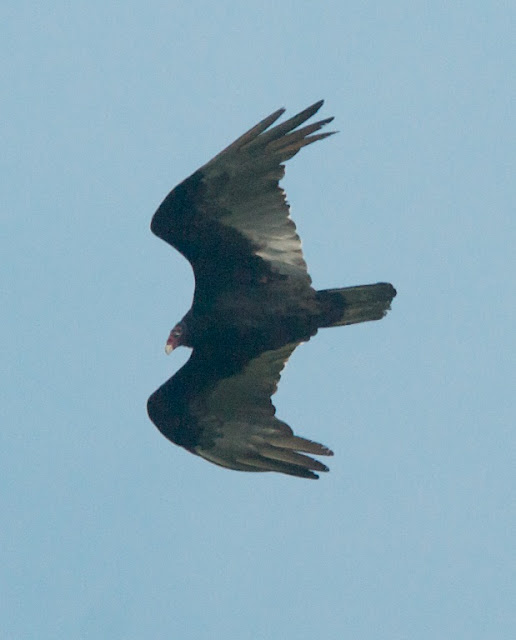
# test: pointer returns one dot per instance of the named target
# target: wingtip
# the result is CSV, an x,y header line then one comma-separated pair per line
x,y
311,110
279,112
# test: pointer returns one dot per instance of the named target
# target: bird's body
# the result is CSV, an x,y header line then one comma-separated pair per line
x,y
253,304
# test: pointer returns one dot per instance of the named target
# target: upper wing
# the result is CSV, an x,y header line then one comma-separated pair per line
x,y
231,421
230,219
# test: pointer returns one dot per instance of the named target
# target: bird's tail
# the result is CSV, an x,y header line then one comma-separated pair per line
x,y
355,304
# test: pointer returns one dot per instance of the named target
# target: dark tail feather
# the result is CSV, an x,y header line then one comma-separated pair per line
x,y
355,304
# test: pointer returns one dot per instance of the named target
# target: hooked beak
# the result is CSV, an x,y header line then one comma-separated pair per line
x,y
172,343
175,339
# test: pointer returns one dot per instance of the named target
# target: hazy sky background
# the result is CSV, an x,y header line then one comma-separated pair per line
x,y
108,530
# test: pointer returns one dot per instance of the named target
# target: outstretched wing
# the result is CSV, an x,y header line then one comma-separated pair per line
x,y
231,421
230,219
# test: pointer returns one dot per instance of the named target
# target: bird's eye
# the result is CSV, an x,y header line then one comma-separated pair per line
x,y
177,332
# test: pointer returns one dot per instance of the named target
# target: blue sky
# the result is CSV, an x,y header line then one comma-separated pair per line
x,y
109,531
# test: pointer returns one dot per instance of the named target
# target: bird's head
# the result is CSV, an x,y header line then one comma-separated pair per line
x,y
176,338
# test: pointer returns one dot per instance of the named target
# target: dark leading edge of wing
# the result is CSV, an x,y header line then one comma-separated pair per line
x,y
231,214
230,420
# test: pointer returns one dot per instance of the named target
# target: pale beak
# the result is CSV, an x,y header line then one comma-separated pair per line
x,y
172,342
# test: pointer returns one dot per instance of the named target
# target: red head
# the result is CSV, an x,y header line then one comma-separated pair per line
x,y
176,337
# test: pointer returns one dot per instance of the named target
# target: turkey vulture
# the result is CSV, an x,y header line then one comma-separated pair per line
x,y
253,304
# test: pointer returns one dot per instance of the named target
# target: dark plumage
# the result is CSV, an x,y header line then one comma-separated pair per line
x,y
253,304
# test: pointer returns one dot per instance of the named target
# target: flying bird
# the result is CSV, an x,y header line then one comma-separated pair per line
x,y
253,304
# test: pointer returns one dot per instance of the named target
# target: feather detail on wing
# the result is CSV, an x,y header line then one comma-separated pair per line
x,y
239,429
229,419
235,202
